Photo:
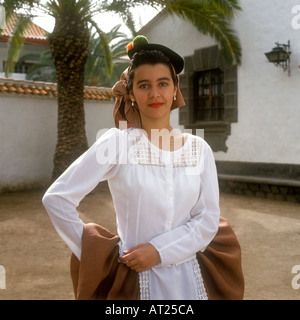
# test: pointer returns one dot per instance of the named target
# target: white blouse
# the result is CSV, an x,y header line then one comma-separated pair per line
x,y
168,199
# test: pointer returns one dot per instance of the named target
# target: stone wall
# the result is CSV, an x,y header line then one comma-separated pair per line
x,y
262,190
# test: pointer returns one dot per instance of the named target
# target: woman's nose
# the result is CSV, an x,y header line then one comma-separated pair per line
x,y
154,92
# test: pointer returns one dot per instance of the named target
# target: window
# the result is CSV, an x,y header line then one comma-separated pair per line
x,y
20,67
210,89
209,95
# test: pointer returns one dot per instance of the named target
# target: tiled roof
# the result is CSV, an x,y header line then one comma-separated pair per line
x,y
33,34
34,88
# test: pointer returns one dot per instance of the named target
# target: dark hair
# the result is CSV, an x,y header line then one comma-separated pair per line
x,y
149,57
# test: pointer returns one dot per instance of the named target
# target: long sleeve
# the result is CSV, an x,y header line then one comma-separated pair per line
x,y
64,195
182,242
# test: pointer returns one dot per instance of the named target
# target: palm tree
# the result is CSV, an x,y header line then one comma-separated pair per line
x,y
69,44
95,74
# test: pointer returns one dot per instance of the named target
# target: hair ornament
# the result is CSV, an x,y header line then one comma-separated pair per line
x,y
140,43
137,42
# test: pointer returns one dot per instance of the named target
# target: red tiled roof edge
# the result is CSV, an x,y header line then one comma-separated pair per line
x,y
35,88
34,34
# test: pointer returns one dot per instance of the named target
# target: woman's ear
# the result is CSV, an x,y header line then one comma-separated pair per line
x,y
131,96
175,93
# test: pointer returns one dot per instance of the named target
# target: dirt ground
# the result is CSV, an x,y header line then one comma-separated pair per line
x,y
36,260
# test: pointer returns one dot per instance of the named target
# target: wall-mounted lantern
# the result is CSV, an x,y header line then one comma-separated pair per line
x,y
280,56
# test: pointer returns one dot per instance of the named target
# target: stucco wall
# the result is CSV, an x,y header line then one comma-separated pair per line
x,y
28,127
268,99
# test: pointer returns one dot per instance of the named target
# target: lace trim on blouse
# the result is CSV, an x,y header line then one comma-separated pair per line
x,y
201,291
144,281
141,152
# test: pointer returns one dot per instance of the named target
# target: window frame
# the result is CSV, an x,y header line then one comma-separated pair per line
x,y
216,132
24,67
209,95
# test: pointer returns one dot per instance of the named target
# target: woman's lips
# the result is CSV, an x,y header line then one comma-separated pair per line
x,y
155,105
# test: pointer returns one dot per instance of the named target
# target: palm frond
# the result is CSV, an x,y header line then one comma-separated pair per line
x,y
43,68
13,6
129,21
227,8
209,21
119,49
41,72
95,69
105,47
16,43
210,17
30,57
82,8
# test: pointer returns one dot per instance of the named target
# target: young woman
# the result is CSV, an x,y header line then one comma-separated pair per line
x,y
163,184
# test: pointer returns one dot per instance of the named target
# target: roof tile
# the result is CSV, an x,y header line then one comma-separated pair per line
x,y
26,87
33,33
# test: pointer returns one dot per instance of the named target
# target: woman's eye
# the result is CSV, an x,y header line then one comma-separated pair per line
x,y
163,84
147,86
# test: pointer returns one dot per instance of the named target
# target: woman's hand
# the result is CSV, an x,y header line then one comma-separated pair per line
x,y
140,258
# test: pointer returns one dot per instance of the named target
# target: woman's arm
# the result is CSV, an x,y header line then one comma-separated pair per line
x,y
83,175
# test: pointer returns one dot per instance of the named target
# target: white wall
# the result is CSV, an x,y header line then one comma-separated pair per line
x,y
28,127
268,100
268,108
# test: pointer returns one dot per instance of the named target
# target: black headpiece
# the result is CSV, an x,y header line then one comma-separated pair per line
x,y
141,43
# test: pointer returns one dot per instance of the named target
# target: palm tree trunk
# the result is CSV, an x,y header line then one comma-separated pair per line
x,y
69,46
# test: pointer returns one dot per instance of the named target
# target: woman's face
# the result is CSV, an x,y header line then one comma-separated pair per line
x,y
153,90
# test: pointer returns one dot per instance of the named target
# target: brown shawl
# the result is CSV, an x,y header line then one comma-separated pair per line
x,y
99,275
